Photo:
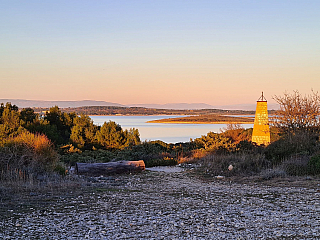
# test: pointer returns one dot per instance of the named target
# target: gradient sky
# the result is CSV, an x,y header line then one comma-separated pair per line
x,y
215,52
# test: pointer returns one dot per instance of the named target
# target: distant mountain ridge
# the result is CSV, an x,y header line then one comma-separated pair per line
x,y
248,107
22,103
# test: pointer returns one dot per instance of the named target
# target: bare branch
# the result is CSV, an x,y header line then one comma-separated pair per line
x,y
297,112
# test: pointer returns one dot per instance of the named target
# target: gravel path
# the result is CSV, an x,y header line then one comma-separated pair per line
x,y
159,205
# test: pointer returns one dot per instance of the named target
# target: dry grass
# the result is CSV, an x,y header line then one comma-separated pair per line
x,y
26,154
27,164
25,195
242,164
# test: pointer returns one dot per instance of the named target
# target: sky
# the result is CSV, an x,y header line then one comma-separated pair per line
x,y
156,52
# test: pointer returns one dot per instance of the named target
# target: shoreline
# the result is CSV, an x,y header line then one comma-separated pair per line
x,y
190,119
206,119
141,115
186,122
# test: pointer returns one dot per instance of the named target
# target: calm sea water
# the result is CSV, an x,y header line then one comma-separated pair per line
x,y
169,133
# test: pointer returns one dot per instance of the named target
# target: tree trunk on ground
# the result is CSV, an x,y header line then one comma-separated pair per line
x,y
97,169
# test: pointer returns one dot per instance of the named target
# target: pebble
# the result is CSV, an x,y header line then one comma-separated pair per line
x,y
161,205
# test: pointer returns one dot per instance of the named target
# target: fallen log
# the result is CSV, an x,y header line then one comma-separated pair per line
x,y
109,168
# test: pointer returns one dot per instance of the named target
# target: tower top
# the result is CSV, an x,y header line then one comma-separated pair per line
x,y
262,98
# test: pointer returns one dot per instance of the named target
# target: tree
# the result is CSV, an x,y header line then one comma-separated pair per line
x,y
110,135
9,120
83,132
298,113
44,127
8,106
298,125
62,121
27,115
77,136
132,137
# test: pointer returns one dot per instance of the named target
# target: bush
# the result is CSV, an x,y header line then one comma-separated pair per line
x,y
314,164
26,154
154,153
301,165
214,142
71,158
270,173
61,169
161,162
292,144
249,147
296,165
297,112
243,164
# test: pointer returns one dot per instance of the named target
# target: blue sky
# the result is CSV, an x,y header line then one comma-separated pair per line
x,y
215,52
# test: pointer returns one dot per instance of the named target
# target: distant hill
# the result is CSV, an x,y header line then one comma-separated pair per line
x,y
179,106
113,110
191,106
21,103
247,107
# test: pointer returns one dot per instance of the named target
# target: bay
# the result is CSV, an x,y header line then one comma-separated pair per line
x,y
169,133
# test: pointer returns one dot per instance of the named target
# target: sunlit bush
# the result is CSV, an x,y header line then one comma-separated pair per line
x,y
27,153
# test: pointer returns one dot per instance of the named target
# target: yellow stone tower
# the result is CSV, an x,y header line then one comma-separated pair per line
x,y
261,131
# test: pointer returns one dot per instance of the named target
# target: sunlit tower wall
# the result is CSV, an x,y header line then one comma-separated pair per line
x,y
261,130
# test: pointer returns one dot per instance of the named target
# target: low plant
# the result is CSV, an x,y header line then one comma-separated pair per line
x,y
288,145
300,165
296,165
314,164
242,164
271,173
161,162
61,169
26,154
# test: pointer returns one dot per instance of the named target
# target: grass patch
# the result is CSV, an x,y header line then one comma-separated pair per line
x,y
242,164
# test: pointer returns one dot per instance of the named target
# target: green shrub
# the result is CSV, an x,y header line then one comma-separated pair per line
x,y
292,144
71,158
61,169
161,162
248,147
314,164
301,165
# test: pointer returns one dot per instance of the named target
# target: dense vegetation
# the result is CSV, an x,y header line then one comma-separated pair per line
x,y
65,128
31,145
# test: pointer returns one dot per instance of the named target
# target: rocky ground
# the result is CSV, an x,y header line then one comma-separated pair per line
x,y
166,205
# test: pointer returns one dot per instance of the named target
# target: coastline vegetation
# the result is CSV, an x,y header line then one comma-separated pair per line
x,y
131,111
207,119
